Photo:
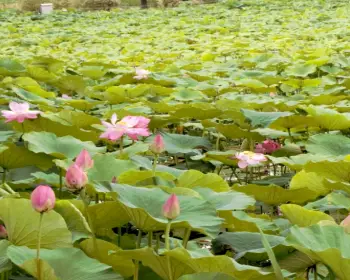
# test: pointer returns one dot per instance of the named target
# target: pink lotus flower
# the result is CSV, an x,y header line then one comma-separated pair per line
x,y
157,146
3,232
248,158
66,96
84,160
76,178
43,199
19,112
267,147
171,208
130,125
141,74
272,94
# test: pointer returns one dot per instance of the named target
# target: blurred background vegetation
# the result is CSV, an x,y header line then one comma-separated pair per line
x,y
33,5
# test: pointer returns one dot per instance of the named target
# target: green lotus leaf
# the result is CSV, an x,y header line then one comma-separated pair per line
x,y
120,264
234,132
22,224
249,245
333,201
80,104
241,221
207,276
194,178
108,215
31,97
106,166
144,207
5,263
328,144
271,133
332,170
5,135
75,220
250,83
300,70
93,72
223,157
132,177
71,83
196,113
176,143
299,161
303,217
46,125
51,179
32,86
275,195
293,122
328,119
18,156
61,264
10,67
188,95
40,74
326,244
296,262
309,180
182,262
263,119
72,118
225,201
59,147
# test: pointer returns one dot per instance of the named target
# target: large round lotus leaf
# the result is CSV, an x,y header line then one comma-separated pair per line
x,y
250,83
235,132
22,223
263,119
101,252
296,262
73,118
176,143
194,178
60,147
188,95
18,156
241,221
10,67
299,161
5,263
223,157
47,125
250,246
224,201
275,195
5,135
328,144
303,217
300,70
144,207
271,133
32,86
327,244
293,122
308,180
328,119
337,171
131,177
207,276
31,97
108,215
106,166
184,262
196,113
333,201
66,263
75,220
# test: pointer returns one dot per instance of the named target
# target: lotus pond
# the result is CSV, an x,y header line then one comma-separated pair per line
x,y
199,142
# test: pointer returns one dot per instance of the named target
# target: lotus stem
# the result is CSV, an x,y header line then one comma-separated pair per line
x,y
61,182
150,238
4,176
167,235
38,264
119,236
138,244
121,145
186,238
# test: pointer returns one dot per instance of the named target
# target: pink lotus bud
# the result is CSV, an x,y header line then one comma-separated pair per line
x,y
84,160
171,208
76,178
346,222
43,199
3,232
114,180
157,146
